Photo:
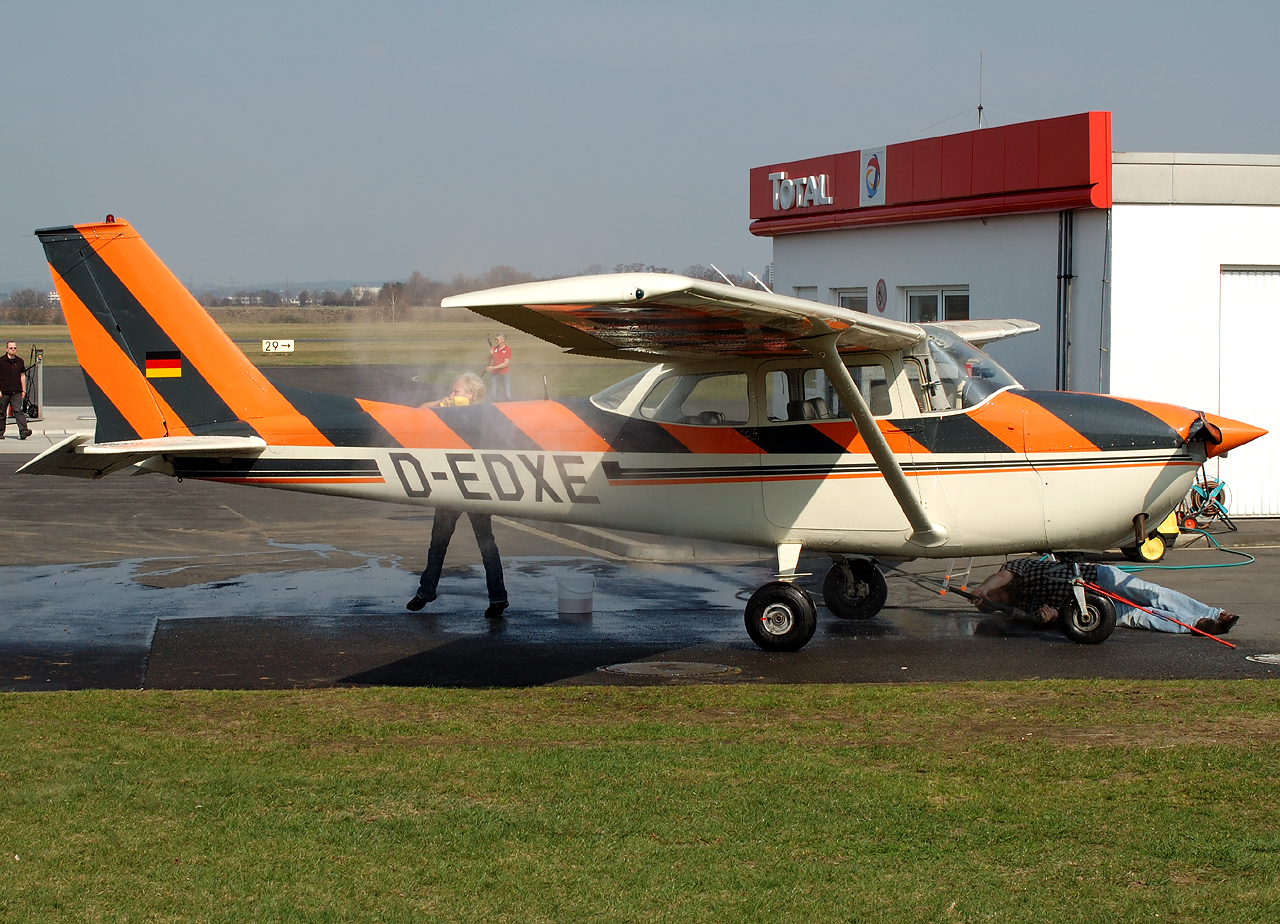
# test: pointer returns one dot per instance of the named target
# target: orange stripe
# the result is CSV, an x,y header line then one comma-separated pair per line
x,y
1007,413
553,426
1179,418
416,427
721,440
113,371
201,341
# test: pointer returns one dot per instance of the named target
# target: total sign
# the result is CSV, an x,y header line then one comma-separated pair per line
x,y
872,182
800,192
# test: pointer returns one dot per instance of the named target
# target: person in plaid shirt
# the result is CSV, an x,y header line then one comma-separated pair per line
x,y
1042,587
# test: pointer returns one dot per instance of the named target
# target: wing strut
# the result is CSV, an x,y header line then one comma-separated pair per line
x,y
924,531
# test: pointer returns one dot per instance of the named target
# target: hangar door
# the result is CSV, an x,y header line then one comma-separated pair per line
x,y
1249,326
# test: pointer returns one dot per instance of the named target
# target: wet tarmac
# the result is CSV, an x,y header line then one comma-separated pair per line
x,y
147,582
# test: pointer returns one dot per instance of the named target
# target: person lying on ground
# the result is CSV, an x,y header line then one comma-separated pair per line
x,y
1041,588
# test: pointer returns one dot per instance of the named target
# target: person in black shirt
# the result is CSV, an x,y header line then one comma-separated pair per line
x,y
13,388
1041,587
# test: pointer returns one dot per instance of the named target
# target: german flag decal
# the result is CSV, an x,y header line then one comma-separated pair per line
x,y
164,364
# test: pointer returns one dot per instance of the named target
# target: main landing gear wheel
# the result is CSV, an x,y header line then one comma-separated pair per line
x,y
855,589
1095,625
781,617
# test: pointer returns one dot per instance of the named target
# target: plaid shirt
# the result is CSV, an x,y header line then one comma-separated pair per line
x,y
1045,582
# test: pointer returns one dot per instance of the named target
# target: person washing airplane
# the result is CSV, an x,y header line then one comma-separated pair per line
x,y
500,368
467,391
1042,588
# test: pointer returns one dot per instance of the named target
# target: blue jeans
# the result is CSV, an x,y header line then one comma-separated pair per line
x,y
442,526
1152,596
500,385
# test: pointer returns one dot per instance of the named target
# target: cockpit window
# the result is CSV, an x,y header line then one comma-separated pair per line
x,y
612,398
963,376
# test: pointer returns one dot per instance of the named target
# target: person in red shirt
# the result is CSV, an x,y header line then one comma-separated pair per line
x,y
500,368
13,388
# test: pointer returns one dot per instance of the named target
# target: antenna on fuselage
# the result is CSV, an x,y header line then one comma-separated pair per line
x,y
722,275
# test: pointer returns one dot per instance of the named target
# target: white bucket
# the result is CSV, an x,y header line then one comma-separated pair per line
x,y
576,591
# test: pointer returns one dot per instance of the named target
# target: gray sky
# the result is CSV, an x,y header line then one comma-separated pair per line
x,y
254,143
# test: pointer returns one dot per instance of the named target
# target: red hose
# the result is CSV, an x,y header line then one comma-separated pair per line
x,y
1106,593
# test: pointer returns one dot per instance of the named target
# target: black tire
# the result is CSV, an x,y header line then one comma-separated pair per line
x,y
1095,626
781,617
862,598
1149,552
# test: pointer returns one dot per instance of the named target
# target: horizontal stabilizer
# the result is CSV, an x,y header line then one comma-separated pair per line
x,y
76,457
980,333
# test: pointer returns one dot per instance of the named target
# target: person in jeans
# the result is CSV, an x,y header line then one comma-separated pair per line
x,y
1041,588
468,390
13,388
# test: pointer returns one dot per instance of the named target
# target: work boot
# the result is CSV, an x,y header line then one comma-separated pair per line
x,y
496,610
24,434
418,602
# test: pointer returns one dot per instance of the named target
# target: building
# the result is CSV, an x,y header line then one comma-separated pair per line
x,y
1151,275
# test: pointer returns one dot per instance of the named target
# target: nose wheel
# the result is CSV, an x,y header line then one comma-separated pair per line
x,y
781,617
854,589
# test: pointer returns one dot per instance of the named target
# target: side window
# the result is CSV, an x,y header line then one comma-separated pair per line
x,y
706,399
807,394
915,377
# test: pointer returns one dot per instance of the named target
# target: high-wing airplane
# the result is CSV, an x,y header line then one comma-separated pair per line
x,y
766,420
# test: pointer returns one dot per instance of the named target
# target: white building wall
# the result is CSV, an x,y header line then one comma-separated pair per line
x,y
1008,263
1166,293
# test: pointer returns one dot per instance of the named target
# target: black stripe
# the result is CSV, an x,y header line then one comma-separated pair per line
x,y
122,316
1107,422
111,426
163,354
625,434
189,467
952,433
485,427
340,419
794,438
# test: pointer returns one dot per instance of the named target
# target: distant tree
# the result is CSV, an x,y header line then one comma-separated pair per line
x,y
304,298
30,306
639,268
391,300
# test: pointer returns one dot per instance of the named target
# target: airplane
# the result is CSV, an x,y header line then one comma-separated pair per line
x,y
763,420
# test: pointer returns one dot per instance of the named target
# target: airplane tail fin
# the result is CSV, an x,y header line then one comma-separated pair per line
x,y
156,364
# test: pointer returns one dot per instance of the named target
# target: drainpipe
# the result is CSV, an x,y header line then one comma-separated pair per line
x,y
1066,229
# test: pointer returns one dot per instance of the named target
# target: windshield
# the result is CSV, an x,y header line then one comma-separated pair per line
x,y
965,376
612,397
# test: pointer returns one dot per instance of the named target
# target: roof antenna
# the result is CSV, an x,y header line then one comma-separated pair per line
x,y
757,279
722,275
980,125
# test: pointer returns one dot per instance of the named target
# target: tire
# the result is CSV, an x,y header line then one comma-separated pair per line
x,y
860,600
1095,626
1150,551
781,617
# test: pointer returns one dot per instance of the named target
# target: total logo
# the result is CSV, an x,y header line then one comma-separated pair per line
x,y
873,176
800,192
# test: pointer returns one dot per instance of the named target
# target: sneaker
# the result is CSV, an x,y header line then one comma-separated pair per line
x,y
418,602
496,610
24,434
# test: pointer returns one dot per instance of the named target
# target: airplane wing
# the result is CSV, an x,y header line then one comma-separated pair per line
x,y
651,316
980,333
77,457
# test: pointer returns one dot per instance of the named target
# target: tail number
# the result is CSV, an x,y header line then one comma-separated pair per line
x,y
498,476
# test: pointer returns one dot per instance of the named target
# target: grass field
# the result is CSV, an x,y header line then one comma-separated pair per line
x,y
1062,802
441,348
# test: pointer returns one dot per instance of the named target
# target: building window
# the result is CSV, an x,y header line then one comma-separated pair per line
x,y
853,299
807,292
923,305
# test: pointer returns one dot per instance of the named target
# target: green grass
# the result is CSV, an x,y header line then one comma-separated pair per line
x,y
1102,801
441,349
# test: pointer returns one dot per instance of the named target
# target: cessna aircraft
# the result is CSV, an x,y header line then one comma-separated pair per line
x,y
767,420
